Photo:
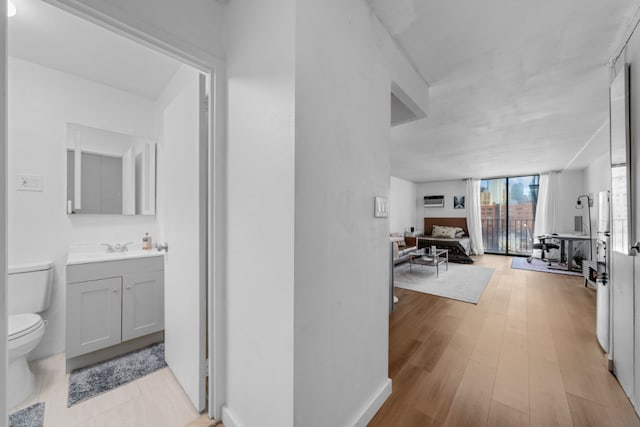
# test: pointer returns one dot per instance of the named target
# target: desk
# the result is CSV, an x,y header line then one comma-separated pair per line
x,y
570,239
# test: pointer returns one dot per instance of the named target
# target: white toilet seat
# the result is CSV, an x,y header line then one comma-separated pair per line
x,y
25,333
23,324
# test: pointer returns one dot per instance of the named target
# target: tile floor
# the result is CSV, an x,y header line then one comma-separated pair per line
x,y
154,400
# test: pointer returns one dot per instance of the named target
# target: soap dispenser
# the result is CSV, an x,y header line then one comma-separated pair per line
x,y
146,242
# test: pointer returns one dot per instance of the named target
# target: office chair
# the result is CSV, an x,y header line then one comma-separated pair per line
x,y
542,245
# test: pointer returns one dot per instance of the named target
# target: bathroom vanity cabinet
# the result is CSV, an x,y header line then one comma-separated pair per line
x,y
113,305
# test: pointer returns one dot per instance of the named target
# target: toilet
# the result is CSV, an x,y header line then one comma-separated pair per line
x,y
29,293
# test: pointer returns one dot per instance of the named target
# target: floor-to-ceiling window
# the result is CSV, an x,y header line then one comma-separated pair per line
x,y
508,211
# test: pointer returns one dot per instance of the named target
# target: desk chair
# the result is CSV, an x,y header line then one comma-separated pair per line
x,y
544,245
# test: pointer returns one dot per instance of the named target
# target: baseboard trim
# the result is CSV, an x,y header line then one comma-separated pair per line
x,y
366,414
228,419
374,405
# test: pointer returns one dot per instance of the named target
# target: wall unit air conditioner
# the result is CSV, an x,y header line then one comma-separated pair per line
x,y
434,201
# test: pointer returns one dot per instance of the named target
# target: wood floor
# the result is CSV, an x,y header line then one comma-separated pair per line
x,y
154,400
526,355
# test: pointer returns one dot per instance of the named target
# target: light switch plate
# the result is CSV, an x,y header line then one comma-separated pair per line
x,y
381,207
29,183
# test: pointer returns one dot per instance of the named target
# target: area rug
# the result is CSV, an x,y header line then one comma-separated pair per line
x,y
32,416
520,263
100,378
462,282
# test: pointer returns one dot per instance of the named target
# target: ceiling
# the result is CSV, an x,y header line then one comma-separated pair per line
x,y
516,87
48,36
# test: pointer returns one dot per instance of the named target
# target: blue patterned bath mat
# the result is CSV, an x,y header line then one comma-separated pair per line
x,y
105,376
32,416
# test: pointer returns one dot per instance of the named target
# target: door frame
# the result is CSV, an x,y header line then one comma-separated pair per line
x,y
4,416
214,193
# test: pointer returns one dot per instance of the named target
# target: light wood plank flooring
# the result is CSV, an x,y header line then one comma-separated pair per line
x,y
526,355
155,400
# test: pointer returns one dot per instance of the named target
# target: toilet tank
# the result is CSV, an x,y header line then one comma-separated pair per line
x,y
29,287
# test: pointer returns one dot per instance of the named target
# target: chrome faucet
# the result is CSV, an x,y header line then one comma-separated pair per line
x,y
119,247
122,247
109,247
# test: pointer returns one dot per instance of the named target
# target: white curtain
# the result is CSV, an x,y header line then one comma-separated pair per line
x,y
546,209
474,222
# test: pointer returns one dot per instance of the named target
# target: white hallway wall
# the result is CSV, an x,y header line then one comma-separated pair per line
x,y
261,174
342,160
41,102
403,205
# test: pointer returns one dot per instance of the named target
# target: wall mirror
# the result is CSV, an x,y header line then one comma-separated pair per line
x,y
621,227
109,172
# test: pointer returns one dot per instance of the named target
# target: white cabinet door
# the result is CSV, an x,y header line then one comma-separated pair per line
x,y
93,315
142,304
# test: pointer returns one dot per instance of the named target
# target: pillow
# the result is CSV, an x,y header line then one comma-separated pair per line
x,y
459,234
444,231
399,240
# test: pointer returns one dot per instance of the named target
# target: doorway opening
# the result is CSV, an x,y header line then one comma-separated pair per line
x,y
94,77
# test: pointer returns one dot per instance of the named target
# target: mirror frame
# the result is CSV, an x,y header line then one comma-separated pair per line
x,y
620,151
139,168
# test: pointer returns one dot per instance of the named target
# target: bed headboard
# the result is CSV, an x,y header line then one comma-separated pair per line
x,y
449,222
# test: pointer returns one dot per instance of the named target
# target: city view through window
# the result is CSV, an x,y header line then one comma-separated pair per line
x,y
508,211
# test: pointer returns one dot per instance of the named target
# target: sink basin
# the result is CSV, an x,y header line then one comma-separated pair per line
x,y
95,253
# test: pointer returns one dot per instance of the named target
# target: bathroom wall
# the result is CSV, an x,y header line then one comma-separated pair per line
x,y
41,101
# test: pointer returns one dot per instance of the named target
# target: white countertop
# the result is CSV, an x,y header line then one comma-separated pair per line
x,y
84,254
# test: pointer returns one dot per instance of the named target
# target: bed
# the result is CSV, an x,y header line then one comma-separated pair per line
x,y
459,247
